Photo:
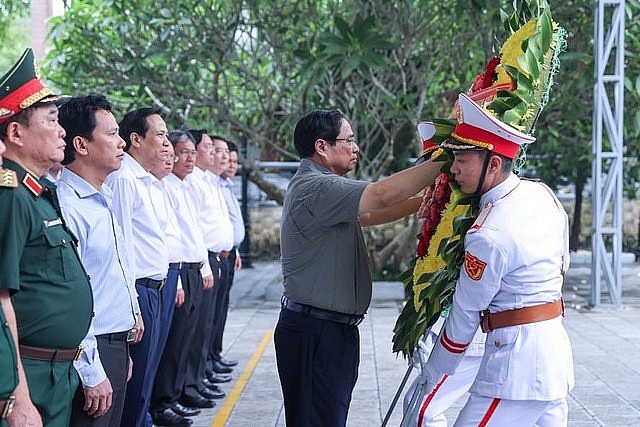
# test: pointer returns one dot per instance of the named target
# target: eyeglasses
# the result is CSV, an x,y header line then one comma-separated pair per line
x,y
221,150
351,141
186,153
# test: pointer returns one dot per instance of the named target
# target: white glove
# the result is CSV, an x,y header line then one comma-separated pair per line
x,y
422,351
428,375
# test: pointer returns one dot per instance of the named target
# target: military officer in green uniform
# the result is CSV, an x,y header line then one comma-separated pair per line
x,y
51,295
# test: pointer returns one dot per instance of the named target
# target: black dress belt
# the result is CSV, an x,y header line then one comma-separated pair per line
x,y
187,265
151,283
321,313
126,336
219,255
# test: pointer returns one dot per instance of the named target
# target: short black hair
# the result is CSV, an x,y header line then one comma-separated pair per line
x,y
318,124
219,138
77,117
197,135
136,121
232,147
177,136
507,163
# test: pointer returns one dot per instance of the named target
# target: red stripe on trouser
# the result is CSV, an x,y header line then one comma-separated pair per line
x,y
489,413
423,409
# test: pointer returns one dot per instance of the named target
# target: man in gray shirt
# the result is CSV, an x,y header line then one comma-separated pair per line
x,y
327,278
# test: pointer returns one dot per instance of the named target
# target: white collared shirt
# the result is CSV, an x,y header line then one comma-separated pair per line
x,y
139,210
192,248
213,216
235,215
168,220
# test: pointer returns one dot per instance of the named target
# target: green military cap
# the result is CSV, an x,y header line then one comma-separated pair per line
x,y
20,88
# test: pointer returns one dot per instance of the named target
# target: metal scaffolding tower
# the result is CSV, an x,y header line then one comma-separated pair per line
x,y
607,149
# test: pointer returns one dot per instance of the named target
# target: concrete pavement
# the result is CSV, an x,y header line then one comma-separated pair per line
x,y
606,345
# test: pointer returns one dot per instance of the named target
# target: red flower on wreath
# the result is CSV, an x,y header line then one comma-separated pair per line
x,y
437,196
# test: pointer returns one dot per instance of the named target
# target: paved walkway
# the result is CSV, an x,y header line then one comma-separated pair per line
x,y
606,345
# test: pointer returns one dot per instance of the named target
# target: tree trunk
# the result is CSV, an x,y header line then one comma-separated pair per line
x,y
396,253
576,226
272,191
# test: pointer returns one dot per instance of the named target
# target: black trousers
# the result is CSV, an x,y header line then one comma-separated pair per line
x,y
318,368
231,260
198,351
222,307
114,355
171,374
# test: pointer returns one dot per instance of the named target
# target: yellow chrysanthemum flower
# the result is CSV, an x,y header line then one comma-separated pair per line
x,y
433,261
512,48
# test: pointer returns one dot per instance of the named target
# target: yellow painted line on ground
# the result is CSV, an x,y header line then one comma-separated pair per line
x,y
230,402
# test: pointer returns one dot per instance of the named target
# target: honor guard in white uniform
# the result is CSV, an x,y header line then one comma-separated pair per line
x,y
516,254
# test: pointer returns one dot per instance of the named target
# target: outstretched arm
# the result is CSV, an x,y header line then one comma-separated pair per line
x,y
390,214
396,189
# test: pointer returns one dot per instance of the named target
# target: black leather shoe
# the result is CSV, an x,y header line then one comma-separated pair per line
x,y
214,388
184,411
219,368
227,362
197,402
216,378
211,394
208,384
169,418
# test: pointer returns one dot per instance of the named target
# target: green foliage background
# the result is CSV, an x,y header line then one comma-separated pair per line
x,y
14,21
252,68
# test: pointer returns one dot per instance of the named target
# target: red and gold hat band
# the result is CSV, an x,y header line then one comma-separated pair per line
x,y
24,96
483,139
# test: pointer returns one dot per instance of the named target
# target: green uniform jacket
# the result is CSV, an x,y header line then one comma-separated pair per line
x,y
54,304
8,361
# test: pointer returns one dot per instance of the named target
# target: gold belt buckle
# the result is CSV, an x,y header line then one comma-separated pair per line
x,y
8,408
78,353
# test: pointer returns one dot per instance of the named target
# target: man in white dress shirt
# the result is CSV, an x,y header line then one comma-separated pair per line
x,y
94,150
135,196
233,261
516,254
196,279
217,233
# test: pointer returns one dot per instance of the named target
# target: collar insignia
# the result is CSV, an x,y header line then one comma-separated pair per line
x,y
32,184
